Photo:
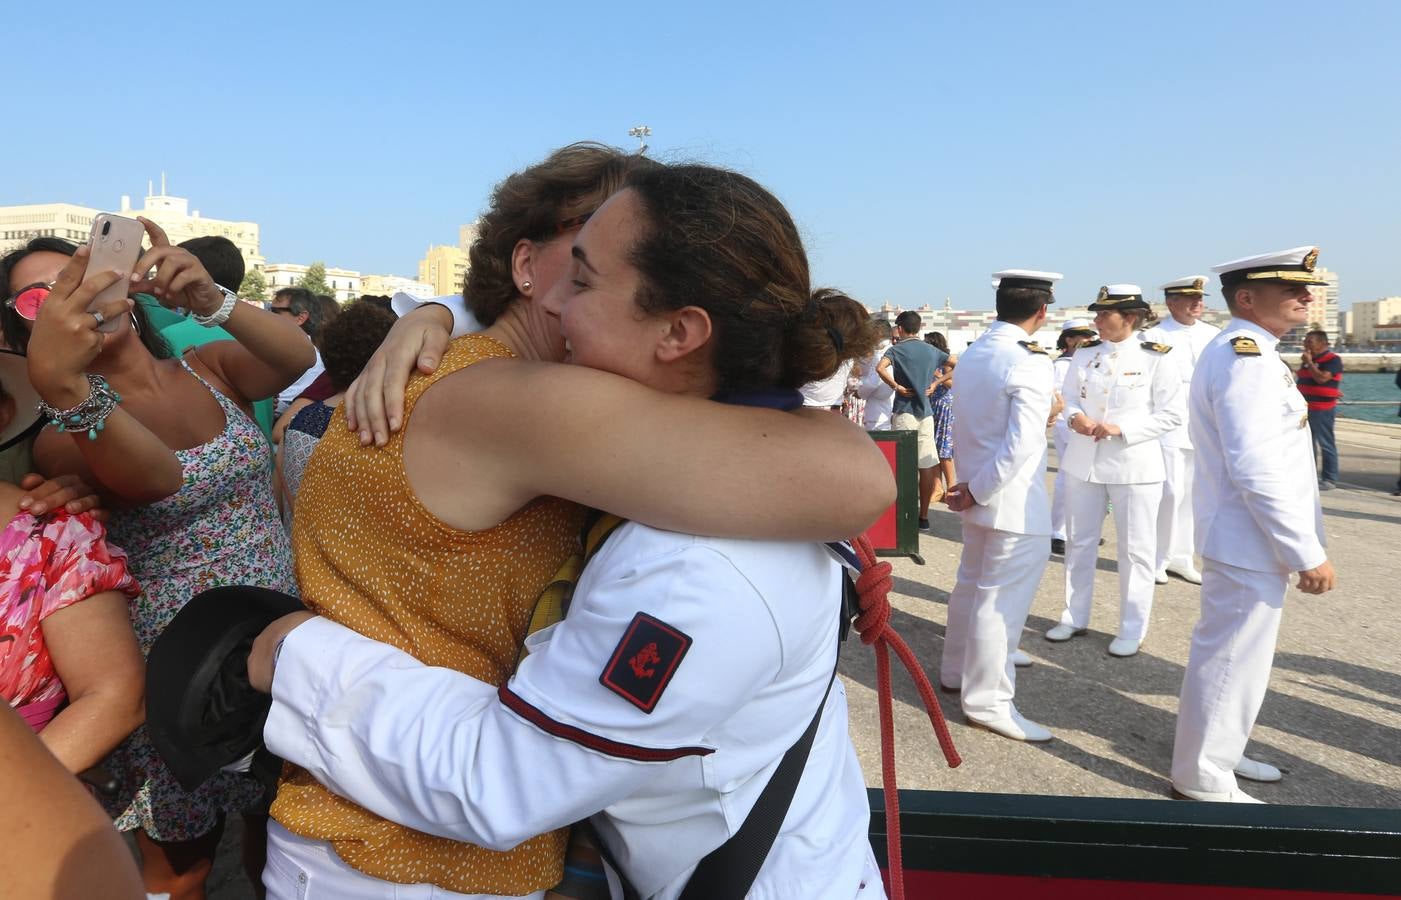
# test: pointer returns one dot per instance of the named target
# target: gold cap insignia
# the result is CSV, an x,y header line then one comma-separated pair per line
x,y
1199,284
1311,259
1103,294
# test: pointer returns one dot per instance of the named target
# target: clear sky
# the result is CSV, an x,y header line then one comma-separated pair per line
x,y
920,146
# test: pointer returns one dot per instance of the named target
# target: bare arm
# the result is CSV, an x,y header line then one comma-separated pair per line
x,y
279,427
97,658
123,458
58,843
681,463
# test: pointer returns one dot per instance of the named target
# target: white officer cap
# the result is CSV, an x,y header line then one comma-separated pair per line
x,y
1191,286
1119,297
1077,326
1043,281
1296,266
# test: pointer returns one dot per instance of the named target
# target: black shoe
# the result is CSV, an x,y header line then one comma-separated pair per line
x,y
1058,546
923,524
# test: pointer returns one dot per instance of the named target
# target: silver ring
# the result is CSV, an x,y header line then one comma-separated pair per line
x,y
97,314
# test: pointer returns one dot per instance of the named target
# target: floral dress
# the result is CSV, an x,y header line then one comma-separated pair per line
x,y
46,565
221,528
942,404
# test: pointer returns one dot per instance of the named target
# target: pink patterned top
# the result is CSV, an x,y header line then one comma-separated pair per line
x,y
46,565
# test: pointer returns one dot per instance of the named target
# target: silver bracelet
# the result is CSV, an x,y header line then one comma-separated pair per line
x,y
220,315
91,414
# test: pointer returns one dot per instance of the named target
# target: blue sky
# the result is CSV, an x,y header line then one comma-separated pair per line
x,y
920,146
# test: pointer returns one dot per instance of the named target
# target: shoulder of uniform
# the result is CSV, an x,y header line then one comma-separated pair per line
x,y
1155,347
1245,346
1033,347
1088,344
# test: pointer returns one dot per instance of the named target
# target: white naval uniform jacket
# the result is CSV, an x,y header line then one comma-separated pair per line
x,y
999,430
1256,495
443,753
1126,385
1187,344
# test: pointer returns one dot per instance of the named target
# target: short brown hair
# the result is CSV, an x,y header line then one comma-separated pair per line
x,y
719,241
351,338
531,205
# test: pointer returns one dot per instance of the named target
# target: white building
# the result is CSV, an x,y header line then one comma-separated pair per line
x,y
389,285
344,283
74,223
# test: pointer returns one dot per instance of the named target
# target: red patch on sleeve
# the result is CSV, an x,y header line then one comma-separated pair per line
x,y
644,661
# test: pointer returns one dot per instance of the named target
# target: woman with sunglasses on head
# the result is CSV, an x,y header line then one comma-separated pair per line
x,y
171,445
69,662
687,666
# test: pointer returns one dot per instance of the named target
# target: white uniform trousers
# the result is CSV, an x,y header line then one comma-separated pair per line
x,y
1135,520
1175,534
1228,671
299,868
1061,435
997,580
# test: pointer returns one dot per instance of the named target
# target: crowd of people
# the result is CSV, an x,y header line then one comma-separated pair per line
x,y
571,607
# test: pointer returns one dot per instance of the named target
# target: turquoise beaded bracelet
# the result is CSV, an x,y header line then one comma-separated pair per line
x,y
89,415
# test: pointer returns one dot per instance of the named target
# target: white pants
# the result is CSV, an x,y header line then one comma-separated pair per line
x,y
1061,435
302,869
997,579
1175,532
1228,671
1135,520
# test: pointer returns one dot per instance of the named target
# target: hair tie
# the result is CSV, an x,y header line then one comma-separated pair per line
x,y
836,337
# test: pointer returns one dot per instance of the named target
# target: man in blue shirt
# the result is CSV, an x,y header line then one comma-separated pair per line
x,y
908,367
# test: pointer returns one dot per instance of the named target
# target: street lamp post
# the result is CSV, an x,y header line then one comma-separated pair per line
x,y
641,132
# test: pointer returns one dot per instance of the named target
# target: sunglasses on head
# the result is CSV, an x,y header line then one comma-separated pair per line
x,y
27,300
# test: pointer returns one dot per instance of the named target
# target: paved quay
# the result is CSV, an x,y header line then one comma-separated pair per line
x,y
1331,720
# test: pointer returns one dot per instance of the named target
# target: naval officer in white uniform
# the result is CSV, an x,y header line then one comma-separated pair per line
x,y
1072,334
1121,394
1001,408
1188,335
1257,520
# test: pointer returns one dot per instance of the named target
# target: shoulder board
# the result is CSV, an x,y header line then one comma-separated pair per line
x,y
1245,346
1088,344
1156,347
1033,347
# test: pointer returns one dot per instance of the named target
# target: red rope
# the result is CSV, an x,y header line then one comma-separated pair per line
x,y
873,624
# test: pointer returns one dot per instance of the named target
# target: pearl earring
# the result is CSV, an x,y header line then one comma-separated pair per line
x,y
525,285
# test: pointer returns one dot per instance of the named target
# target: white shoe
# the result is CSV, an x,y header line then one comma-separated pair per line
x,y
1019,658
1186,571
1014,726
950,688
1257,771
1234,796
1160,576
1064,632
1123,647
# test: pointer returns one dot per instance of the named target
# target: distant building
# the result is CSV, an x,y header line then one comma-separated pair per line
x,y
344,283
1370,315
72,222
445,268
389,285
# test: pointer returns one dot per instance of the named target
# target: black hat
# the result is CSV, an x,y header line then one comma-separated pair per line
x,y
1119,297
201,712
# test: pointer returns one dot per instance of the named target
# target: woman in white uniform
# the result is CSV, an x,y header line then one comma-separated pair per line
x,y
687,666
1072,334
1120,395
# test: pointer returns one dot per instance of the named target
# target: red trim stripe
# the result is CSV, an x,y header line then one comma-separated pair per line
x,y
515,704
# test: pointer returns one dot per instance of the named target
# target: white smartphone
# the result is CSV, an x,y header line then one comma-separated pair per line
x,y
115,243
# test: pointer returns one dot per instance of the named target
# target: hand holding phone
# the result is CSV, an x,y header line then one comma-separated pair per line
x,y
180,280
